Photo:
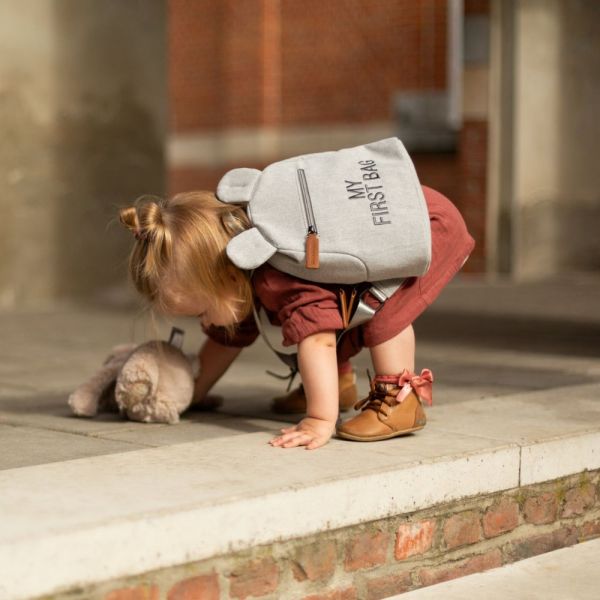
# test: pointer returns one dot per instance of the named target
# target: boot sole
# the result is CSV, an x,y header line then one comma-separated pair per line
x,y
376,438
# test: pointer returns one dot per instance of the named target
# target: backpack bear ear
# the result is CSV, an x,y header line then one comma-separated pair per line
x,y
249,249
237,185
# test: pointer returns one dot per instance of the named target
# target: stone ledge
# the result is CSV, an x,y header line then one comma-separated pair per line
x,y
84,521
374,560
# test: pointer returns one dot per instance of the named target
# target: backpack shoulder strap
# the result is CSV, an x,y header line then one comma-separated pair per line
x,y
381,290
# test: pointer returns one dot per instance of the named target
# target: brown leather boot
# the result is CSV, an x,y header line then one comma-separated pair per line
x,y
295,401
392,408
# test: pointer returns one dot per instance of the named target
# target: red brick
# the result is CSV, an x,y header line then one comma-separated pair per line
x,y
538,544
203,587
140,592
590,529
414,538
243,63
347,593
578,500
315,561
475,564
541,509
500,518
384,587
366,550
462,529
254,578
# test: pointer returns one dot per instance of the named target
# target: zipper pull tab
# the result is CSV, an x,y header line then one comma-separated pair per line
x,y
351,304
312,249
343,308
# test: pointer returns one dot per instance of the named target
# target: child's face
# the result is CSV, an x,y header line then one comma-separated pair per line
x,y
179,304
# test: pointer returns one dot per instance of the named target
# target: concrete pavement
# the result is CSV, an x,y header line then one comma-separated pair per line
x,y
515,402
481,340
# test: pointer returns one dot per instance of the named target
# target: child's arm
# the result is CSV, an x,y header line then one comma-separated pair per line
x,y
317,361
214,360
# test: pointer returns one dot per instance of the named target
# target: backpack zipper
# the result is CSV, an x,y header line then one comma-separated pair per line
x,y
312,234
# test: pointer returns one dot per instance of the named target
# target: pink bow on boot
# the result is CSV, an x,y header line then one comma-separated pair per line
x,y
422,384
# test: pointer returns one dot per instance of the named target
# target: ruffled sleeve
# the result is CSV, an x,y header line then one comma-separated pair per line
x,y
301,307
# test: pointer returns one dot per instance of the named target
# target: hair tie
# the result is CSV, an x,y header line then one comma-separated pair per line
x,y
139,234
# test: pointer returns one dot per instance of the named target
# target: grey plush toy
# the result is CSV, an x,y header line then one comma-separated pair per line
x,y
152,383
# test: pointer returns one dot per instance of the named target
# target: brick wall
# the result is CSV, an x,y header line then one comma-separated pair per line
x,y
339,61
343,59
389,556
282,63
215,64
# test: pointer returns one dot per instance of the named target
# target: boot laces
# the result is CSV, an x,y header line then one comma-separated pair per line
x,y
378,396
395,393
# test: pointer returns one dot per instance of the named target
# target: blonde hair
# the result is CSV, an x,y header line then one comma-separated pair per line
x,y
185,237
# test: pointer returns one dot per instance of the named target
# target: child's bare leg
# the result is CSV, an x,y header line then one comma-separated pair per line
x,y
396,354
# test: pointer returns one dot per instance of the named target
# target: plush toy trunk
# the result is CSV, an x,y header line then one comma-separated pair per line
x,y
346,216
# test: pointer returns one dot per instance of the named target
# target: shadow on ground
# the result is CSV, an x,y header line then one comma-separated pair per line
x,y
521,334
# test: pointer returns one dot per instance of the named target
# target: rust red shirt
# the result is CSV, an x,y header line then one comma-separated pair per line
x,y
304,307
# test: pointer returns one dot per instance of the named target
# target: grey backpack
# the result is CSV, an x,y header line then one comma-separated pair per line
x,y
345,216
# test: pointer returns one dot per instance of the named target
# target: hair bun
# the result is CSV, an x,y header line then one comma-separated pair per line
x,y
129,219
151,221
144,220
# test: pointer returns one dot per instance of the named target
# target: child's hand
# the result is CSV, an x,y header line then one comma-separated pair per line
x,y
199,391
310,432
201,400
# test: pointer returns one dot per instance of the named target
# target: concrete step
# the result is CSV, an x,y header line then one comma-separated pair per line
x,y
93,519
565,574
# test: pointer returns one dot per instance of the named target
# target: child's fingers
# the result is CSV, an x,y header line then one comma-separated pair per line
x,y
276,440
287,431
298,440
281,439
292,436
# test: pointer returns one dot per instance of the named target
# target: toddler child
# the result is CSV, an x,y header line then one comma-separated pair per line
x,y
179,264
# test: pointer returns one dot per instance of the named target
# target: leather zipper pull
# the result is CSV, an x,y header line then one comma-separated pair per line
x,y
312,250
344,309
351,304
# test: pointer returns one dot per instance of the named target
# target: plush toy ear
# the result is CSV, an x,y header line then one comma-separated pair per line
x,y
237,185
249,249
